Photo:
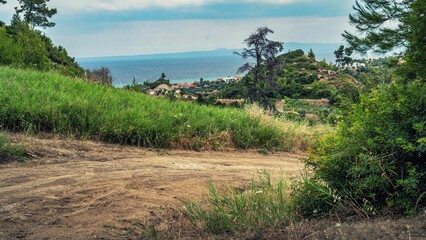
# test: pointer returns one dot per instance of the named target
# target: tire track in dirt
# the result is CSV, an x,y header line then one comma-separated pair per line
x,y
79,187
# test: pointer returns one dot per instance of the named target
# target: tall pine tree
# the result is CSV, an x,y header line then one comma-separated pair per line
x,y
36,13
386,25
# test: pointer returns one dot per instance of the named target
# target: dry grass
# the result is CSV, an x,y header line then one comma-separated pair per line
x,y
301,135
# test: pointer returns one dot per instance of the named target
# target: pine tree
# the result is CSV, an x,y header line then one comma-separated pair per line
x,y
311,54
36,13
2,2
375,21
264,51
343,56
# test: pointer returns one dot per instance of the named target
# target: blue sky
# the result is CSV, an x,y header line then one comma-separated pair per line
x,y
130,27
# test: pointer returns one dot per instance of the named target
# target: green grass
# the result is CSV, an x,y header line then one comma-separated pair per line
x,y
262,206
33,102
8,152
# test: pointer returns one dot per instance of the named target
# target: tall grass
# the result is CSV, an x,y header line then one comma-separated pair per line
x,y
263,205
33,101
300,135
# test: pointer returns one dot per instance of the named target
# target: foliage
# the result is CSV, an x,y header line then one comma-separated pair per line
x,y
162,80
375,19
36,13
9,152
343,55
311,198
297,76
22,47
263,205
264,52
379,151
377,156
34,102
311,54
297,110
101,76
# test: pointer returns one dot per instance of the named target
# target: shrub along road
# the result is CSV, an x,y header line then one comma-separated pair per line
x,y
82,189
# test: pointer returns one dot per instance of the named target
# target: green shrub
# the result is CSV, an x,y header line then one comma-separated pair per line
x,y
379,152
312,198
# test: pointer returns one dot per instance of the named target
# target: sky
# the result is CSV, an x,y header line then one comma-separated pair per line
x,y
98,28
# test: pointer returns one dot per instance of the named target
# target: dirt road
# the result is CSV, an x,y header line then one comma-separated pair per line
x,y
75,189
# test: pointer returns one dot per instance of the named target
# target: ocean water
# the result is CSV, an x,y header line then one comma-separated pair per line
x,y
178,68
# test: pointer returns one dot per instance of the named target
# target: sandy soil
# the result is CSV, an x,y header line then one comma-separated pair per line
x,y
76,189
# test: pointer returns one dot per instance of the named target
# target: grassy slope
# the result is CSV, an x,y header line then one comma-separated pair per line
x,y
33,101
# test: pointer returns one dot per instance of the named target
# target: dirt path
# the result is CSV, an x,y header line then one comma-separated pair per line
x,y
76,189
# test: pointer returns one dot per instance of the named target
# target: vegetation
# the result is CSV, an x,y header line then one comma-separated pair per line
x,y
36,13
343,56
101,76
298,76
260,206
33,102
378,152
375,163
376,159
311,111
374,20
23,46
264,52
9,152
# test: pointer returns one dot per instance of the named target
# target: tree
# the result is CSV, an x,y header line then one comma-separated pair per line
x,y
391,25
1,22
311,54
343,56
36,13
264,51
101,76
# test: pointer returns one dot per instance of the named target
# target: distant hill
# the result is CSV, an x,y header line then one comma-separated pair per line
x,y
322,50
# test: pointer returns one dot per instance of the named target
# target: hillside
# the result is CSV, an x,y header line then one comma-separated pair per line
x,y
44,102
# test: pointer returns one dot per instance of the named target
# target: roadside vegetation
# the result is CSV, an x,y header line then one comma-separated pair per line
x,y
9,152
263,205
374,164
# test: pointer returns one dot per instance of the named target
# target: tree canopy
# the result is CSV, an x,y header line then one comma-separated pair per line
x,y
385,25
36,13
264,52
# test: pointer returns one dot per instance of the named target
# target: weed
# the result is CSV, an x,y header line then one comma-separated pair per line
x,y
263,205
9,152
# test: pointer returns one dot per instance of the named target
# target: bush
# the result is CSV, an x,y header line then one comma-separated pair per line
x,y
311,198
378,154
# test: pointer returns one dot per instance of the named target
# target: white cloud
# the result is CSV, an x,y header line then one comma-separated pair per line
x,y
120,5
279,1
131,38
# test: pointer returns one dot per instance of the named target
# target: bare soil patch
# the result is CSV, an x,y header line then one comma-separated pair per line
x,y
88,190
83,190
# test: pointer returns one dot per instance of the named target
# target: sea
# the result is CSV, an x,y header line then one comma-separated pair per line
x,y
188,66
179,68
